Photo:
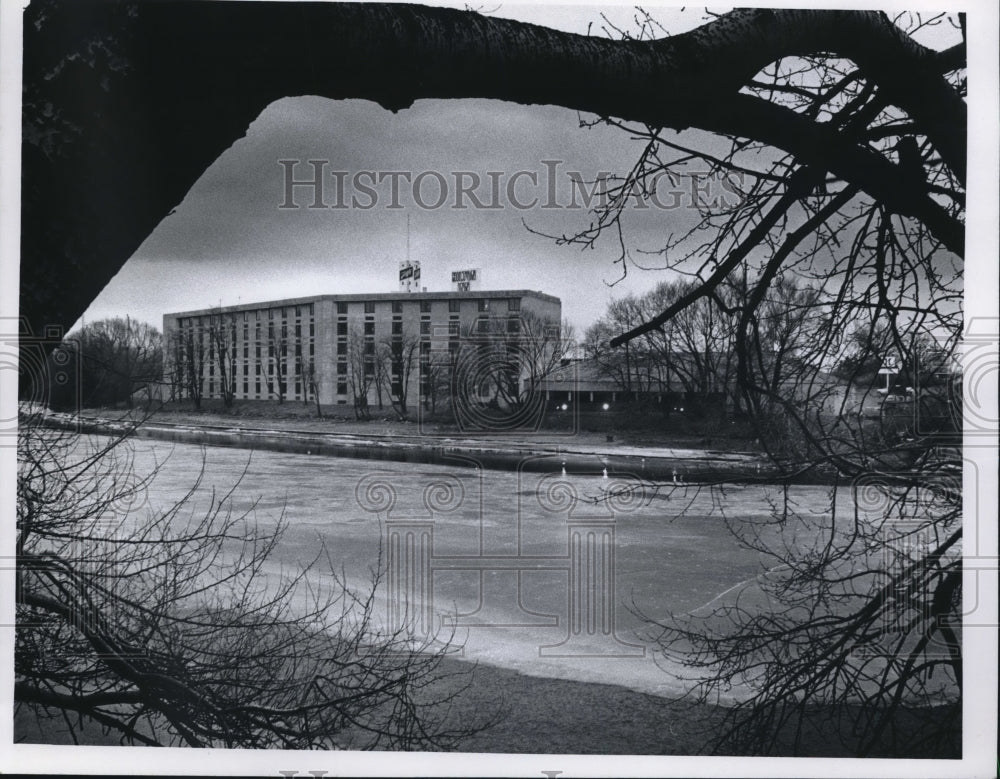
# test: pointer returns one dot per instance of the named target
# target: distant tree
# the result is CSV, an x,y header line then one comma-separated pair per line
x,y
627,367
911,378
863,354
361,371
382,380
311,378
300,361
693,353
512,357
190,357
399,359
437,373
778,342
695,348
116,357
277,358
222,353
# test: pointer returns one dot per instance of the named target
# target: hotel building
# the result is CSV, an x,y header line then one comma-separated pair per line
x,y
301,348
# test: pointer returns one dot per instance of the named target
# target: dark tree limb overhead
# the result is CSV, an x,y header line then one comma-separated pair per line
x,y
127,105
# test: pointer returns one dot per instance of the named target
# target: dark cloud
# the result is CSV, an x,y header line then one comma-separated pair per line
x,y
230,240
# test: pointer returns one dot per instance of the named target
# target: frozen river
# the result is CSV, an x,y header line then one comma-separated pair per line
x,y
529,571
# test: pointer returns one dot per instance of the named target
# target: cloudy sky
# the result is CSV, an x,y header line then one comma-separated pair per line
x,y
393,189
229,241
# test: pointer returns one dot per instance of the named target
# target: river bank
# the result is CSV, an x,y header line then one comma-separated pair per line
x,y
531,451
559,716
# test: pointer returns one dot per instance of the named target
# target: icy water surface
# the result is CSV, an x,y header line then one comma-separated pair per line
x,y
543,573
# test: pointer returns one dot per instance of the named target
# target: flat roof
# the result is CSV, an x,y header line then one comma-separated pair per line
x,y
374,297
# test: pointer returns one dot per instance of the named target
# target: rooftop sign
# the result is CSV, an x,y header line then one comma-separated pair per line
x,y
409,276
465,280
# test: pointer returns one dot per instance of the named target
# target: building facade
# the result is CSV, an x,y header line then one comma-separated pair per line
x,y
345,349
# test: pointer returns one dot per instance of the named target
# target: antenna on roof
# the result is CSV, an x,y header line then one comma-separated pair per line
x,y
409,272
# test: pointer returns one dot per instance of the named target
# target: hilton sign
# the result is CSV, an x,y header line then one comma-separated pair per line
x,y
464,280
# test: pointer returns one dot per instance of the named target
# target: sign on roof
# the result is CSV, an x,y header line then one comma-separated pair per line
x,y
409,276
464,280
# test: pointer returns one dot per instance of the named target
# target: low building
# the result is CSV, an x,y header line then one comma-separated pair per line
x,y
592,384
339,349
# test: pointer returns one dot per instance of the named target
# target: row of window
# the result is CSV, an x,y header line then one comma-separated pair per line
x,y
272,333
263,386
182,353
454,305
281,376
285,364
203,322
286,312
482,326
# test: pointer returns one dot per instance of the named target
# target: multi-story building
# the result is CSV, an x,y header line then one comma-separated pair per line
x,y
339,348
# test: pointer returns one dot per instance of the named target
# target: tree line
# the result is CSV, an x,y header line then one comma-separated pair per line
x,y
694,353
110,362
